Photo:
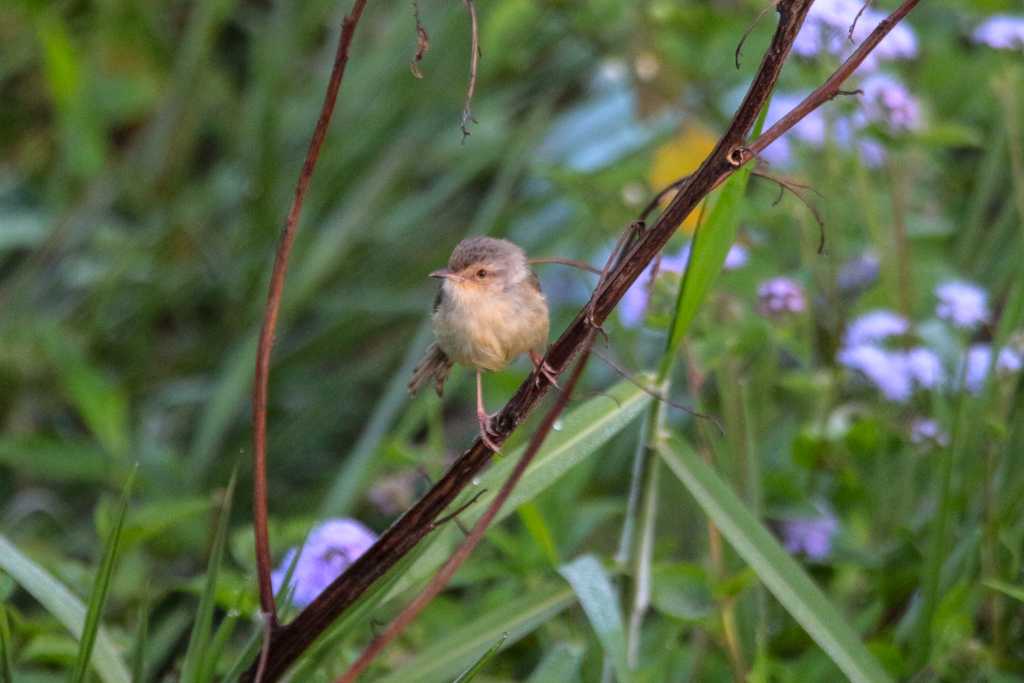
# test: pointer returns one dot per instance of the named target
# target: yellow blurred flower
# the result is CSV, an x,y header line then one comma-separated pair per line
x,y
679,156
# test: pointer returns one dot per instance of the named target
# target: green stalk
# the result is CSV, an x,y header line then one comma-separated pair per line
x,y
711,242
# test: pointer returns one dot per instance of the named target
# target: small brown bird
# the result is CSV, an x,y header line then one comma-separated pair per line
x,y
489,310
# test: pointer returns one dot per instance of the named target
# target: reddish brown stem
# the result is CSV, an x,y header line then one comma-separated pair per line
x,y
289,642
447,571
270,313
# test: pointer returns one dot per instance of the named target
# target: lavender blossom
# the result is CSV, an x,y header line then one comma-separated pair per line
x,y
963,304
828,24
810,535
979,358
925,430
779,296
1001,31
925,367
331,547
886,101
886,370
875,326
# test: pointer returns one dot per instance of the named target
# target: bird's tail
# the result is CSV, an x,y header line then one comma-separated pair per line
x,y
435,364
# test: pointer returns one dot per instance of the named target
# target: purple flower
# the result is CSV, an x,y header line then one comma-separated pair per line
x,y
780,295
885,369
979,357
737,257
875,326
827,26
887,102
925,430
331,547
810,535
1001,31
963,304
925,367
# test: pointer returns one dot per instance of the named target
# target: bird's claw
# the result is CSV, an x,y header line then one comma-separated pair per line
x,y
547,372
487,431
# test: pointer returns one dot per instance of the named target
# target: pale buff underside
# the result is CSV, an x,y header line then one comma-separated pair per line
x,y
486,329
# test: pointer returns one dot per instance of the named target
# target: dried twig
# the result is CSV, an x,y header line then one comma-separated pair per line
x,y
474,62
447,571
580,265
637,251
750,29
273,306
422,41
853,24
796,189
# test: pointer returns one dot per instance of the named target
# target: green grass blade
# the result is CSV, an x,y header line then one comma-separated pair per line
x,y
6,649
139,651
199,642
561,663
1015,592
101,587
477,666
64,606
779,572
451,653
711,244
583,431
600,601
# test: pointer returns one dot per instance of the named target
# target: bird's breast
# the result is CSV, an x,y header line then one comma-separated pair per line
x,y
488,330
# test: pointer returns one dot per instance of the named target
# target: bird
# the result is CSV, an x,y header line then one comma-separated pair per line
x,y
488,311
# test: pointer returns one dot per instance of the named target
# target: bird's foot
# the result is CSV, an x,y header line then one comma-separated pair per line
x,y
544,370
488,433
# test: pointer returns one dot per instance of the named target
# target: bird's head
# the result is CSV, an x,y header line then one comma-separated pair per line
x,y
482,265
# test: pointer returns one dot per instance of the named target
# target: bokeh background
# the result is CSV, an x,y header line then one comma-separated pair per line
x,y
867,393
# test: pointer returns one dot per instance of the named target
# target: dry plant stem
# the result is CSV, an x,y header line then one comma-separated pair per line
x,y
579,265
422,41
273,306
474,62
291,640
447,571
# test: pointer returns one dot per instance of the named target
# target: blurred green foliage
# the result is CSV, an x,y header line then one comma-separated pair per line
x,y
149,153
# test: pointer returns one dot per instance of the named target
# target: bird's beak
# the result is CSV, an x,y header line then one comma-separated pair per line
x,y
444,273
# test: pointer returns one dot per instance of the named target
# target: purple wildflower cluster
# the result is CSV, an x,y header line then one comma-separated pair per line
x,y
331,547
886,105
898,373
779,296
634,304
1001,31
811,536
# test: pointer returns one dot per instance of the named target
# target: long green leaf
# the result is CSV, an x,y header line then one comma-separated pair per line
x,y
64,606
6,647
450,654
199,643
600,601
581,433
561,663
779,572
477,666
101,587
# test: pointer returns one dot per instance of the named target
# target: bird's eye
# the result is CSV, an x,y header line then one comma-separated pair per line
x,y
481,273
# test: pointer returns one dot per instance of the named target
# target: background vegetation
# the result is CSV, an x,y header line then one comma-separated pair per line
x,y
149,153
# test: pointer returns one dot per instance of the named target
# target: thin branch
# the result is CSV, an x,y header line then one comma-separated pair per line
x,y
853,25
270,313
445,574
581,265
638,248
750,29
422,41
474,62
625,374
795,189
